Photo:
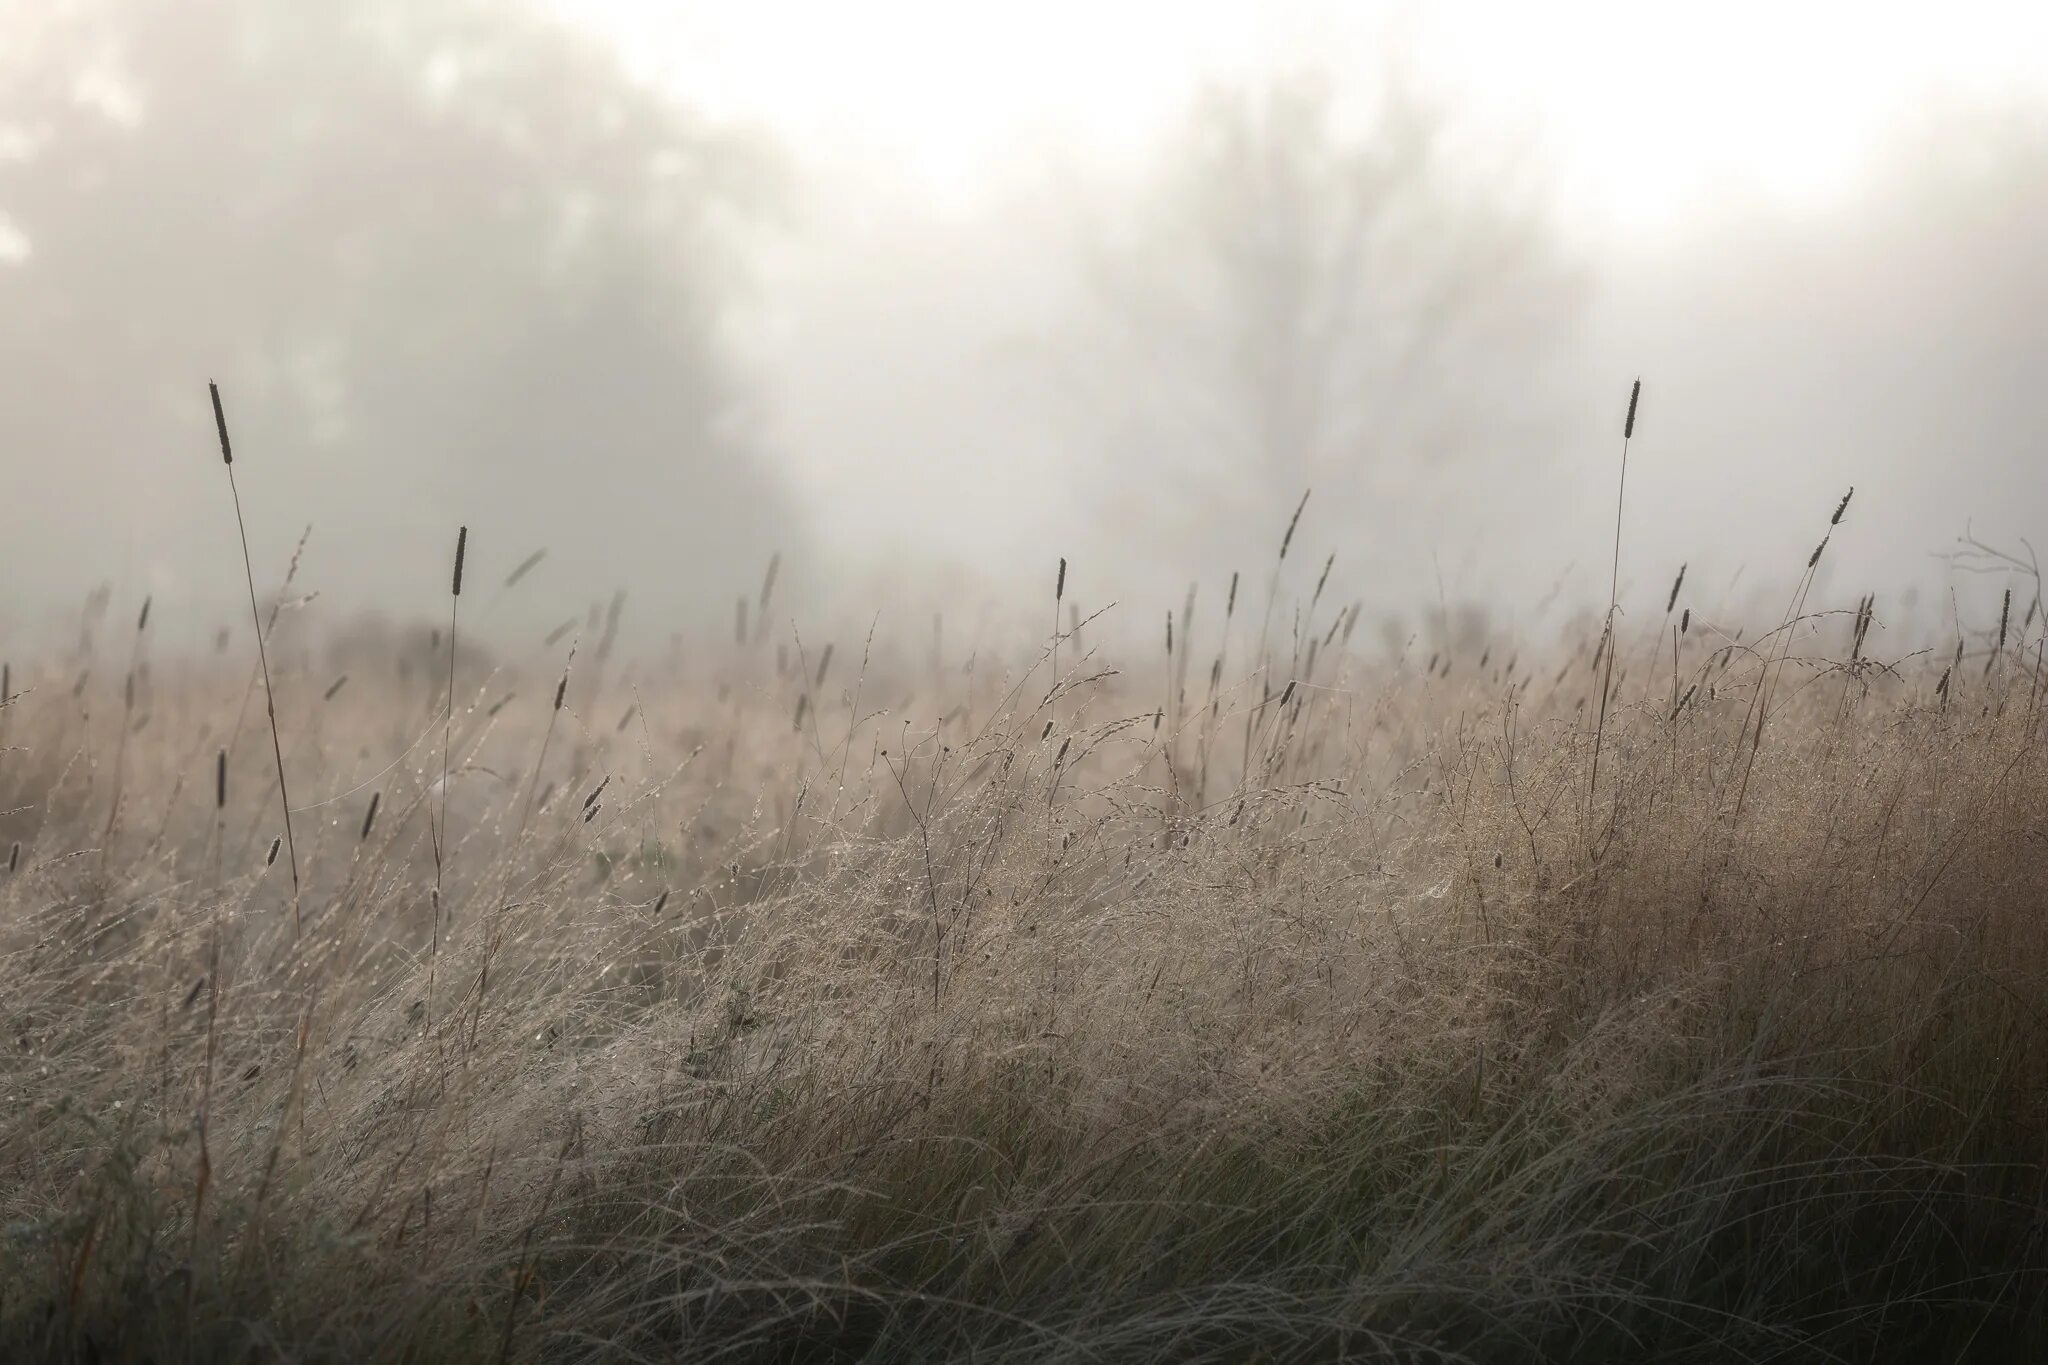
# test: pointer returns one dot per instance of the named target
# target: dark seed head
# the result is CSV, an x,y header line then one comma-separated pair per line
x,y
1676,583
660,901
273,851
220,781
461,544
1293,522
370,816
142,621
1841,507
526,566
220,423
1059,586
1628,426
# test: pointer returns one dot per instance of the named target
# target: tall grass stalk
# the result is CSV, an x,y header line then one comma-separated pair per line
x,y
284,800
1628,431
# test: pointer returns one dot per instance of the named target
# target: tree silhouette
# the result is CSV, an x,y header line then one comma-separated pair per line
x,y
1294,301
442,255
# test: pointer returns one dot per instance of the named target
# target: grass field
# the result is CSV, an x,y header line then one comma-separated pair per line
x,y
1270,997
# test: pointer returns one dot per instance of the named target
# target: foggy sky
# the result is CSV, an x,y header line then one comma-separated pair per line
x,y
530,296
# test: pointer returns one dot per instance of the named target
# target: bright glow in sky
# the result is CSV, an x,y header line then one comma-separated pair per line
x,y
1647,109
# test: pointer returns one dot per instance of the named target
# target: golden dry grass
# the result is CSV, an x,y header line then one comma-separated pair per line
x,y
1325,1013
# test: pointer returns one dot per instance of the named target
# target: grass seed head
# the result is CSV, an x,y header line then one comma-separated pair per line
x,y
1292,522
526,566
220,424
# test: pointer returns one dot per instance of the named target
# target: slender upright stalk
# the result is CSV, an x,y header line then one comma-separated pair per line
x,y
1628,430
1059,592
121,741
447,727
220,811
1781,650
227,457
1266,627
547,735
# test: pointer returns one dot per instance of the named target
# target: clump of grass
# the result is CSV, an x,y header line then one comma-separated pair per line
x,y
1010,1051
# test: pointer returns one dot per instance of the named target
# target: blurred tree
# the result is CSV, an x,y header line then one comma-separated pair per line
x,y
1296,299
447,259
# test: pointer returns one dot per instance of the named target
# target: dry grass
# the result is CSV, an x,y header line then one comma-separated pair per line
x,y
1314,1015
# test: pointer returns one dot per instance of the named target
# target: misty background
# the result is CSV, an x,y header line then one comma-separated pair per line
x,y
927,297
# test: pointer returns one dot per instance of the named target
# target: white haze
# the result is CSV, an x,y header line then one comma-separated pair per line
x,y
1813,231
